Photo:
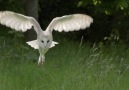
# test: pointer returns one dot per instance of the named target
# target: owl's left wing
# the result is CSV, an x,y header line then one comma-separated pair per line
x,y
33,44
68,23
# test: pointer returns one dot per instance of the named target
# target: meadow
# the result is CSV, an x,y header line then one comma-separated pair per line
x,y
69,66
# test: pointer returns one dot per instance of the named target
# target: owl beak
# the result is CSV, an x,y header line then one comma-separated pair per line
x,y
45,46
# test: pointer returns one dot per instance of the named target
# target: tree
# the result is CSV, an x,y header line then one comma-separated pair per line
x,y
31,9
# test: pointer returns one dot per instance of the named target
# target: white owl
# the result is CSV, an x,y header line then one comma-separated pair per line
x,y
44,39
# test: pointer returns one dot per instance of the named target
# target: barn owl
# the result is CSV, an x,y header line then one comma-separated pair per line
x,y
44,41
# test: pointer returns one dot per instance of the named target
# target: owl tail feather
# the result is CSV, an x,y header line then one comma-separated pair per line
x,y
34,44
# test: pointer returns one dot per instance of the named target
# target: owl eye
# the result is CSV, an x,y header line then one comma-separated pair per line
x,y
47,41
42,41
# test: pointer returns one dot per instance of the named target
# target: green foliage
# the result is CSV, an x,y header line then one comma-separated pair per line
x,y
16,35
109,15
113,38
14,48
106,6
12,5
68,66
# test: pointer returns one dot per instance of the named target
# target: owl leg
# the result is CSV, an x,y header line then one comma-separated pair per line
x,y
41,60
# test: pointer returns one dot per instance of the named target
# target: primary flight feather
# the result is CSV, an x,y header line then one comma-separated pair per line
x,y
44,39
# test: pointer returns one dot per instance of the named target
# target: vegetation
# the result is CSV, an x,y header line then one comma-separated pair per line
x,y
69,66
98,61
110,17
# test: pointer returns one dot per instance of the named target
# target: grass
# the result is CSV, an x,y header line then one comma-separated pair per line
x,y
68,66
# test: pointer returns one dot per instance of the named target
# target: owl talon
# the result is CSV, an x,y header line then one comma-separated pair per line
x,y
41,62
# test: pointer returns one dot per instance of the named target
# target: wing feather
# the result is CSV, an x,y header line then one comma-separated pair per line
x,y
18,22
53,44
33,44
70,23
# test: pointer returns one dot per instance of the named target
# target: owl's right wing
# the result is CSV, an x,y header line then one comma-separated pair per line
x,y
18,22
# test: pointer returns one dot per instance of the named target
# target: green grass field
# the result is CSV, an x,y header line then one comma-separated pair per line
x,y
68,66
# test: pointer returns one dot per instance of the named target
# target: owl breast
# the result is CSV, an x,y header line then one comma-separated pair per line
x,y
43,50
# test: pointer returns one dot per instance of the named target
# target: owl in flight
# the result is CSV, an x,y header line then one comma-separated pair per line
x,y
44,41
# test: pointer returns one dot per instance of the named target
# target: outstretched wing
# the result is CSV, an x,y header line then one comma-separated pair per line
x,y
18,22
70,23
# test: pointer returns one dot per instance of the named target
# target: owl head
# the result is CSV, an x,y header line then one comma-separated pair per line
x,y
44,40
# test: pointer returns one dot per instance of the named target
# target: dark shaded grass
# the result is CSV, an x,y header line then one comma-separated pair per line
x,y
68,66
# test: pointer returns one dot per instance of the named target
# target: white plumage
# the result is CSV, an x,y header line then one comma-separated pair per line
x,y
15,21
72,22
44,39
